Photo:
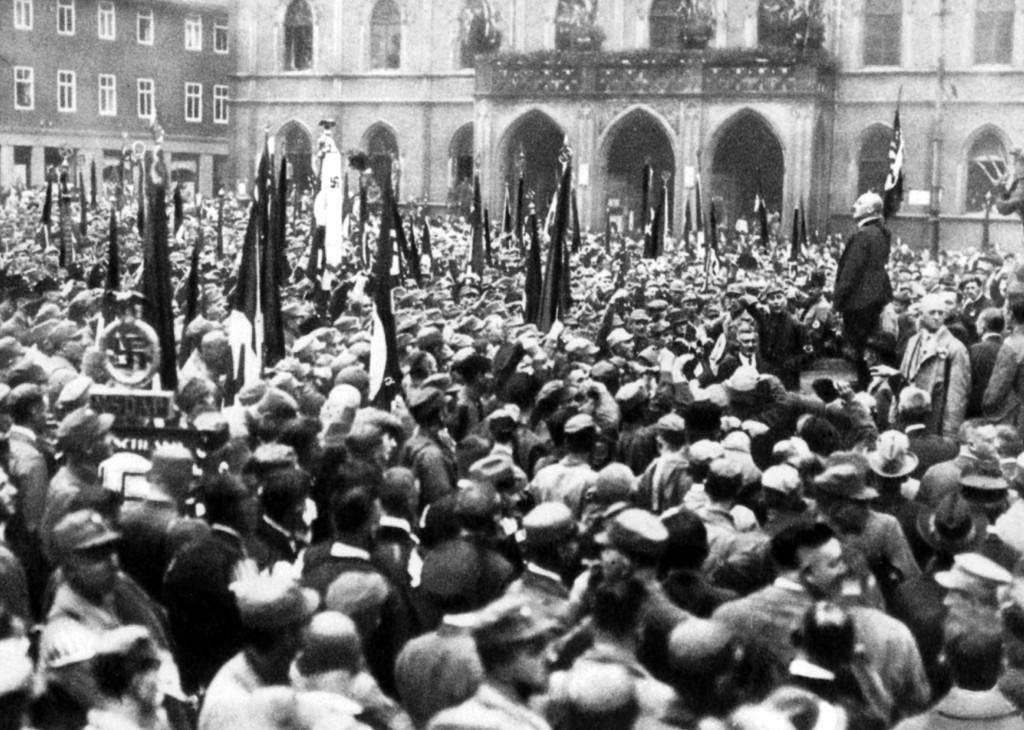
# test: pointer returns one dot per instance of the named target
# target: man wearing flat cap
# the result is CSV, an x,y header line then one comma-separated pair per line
x,y
511,638
780,335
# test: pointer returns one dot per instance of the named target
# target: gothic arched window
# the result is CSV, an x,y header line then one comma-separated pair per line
x,y
385,35
988,149
298,36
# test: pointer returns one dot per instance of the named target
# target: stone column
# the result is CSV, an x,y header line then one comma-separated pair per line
x,y
38,166
586,154
426,140
6,166
204,175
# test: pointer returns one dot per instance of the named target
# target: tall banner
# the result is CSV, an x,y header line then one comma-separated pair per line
x,y
329,204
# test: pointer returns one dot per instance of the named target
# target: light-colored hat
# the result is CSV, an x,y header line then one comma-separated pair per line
x,y
892,458
744,380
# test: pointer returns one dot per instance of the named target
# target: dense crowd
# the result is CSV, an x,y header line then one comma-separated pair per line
x,y
777,492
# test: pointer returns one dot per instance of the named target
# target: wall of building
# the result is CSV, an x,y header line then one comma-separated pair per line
x,y
198,144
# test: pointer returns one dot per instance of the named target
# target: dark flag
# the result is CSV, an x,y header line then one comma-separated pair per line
x,y
113,256
414,256
364,216
892,197
761,208
698,210
658,227
272,273
519,212
577,239
556,274
687,224
156,274
794,239
534,275
93,187
712,264
46,220
608,230
140,198
179,213
803,228
191,309
67,254
428,251
245,328
487,238
220,227
506,216
83,211
385,368
476,258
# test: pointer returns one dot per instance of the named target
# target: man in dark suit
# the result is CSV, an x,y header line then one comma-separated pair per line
x,y
975,301
991,323
747,352
280,535
862,286
552,554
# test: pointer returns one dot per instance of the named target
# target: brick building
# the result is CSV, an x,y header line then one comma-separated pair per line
x,y
798,93
89,74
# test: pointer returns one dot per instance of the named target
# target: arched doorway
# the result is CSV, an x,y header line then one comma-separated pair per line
x,y
295,144
637,139
382,149
537,140
746,151
460,169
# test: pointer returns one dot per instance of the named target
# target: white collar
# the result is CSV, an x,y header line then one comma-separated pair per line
x,y
537,570
864,221
914,427
803,668
224,528
341,550
789,585
277,526
397,522
26,432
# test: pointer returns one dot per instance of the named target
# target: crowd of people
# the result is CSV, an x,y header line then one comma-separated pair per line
x,y
784,493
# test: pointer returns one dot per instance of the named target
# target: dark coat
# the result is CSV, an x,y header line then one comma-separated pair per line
x,y
930,449
983,361
270,546
201,608
862,281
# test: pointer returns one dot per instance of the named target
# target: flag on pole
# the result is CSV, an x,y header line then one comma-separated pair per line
x,y
113,255
687,224
220,227
156,274
414,256
712,264
487,238
245,325
329,206
893,189
191,309
645,201
93,187
506,218
532,291
577,239
385,369
698,212
140,197
761,208
555,276
794,236
427,250
477,222
273,275
520,192
179,210
46,220
83,211
803,227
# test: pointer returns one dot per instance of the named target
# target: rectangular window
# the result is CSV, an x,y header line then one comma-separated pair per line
x,y
66,101
220,36
145,97
105,20
193,102
24,88
108,95
66,17
193,33
23,14
883,32
993,32
220,105
144,27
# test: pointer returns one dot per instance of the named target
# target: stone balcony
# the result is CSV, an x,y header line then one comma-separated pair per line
x,y
756,73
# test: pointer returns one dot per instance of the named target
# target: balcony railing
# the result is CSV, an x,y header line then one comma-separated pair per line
x,y
745,72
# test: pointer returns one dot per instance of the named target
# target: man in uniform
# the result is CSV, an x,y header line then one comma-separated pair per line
x,y
430,453
817,315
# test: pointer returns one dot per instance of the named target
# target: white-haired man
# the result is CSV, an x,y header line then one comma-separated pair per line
x,y
938,363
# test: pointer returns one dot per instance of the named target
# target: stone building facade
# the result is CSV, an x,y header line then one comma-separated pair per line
x,y
792,98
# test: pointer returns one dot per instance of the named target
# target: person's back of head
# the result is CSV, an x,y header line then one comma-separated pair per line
x,y
687,541
224,500
1015,308
594,695
827,636
1009,443
975,658
470,450
914,405
353,510
703,420
724,480
436,671
399,493
617,606
991,320
283,496
785,546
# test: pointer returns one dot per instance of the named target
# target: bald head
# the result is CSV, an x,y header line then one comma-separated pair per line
x,y
867,205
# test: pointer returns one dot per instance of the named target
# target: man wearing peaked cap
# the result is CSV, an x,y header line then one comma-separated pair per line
x,y
975,587
551,552
572,476
510,638
430,452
